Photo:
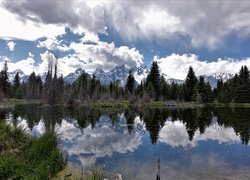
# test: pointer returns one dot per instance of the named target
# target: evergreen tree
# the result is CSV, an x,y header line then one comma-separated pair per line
x,y
16,80
130,85
34,87
16,84
218,88
154,78
204,91
4,81
244,76
190,83
242,91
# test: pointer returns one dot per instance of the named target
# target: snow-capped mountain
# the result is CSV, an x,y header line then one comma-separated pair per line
x,y
70,78
140,72
172,80
23,77
119,73
212,79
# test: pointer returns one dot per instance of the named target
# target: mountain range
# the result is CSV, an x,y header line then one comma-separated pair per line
x,y
121,73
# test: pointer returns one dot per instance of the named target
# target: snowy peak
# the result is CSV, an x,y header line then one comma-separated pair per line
x,y
212,79
119,73
23,77
140,73
223,76
70,78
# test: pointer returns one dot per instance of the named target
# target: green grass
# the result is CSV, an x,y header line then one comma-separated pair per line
x,y
111,105
215,104
96,174
155,104
74,173
240,105
26,157
11,103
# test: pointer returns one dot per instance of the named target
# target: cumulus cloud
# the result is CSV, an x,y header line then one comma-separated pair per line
x,y
90,37
11,45
30,54
26,65
206,23
49,18
106,55
14,28
143,20
176,65
89,54
52,44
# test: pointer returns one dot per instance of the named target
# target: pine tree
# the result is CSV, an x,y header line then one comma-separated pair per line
x,y
242,91
130,85
201,88
190,83
244,75
34,87
154,78
16,84
17,80
4,80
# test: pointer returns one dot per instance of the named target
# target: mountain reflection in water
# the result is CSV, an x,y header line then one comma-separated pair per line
x,y
191,143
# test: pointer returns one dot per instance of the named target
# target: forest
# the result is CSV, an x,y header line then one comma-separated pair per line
x,y
154,88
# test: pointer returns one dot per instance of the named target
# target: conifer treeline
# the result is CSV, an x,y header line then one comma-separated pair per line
x,y
87,88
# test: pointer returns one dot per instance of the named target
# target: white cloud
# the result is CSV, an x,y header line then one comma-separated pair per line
x,y
36,19
90,37
26,65
52,44
88,56
136,20
14,28
103,55
176,65
30,54
206,23
11,45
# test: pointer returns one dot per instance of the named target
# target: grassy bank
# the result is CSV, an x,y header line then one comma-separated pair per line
x,y
119,104
111,104
11,103
26,157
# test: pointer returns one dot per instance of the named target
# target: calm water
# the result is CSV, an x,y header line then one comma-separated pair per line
x,y
190,144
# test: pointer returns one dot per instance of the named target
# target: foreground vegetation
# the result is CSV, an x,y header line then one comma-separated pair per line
x,y
26,157
23,156
74,173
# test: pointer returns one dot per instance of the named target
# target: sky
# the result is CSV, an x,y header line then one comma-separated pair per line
x,y
212,36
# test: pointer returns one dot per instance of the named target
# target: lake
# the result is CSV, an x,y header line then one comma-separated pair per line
x,y
185,143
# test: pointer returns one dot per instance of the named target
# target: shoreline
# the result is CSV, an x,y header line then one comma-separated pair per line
x,y
11,103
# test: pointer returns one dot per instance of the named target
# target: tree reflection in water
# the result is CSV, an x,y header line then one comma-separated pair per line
x,y
154,119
